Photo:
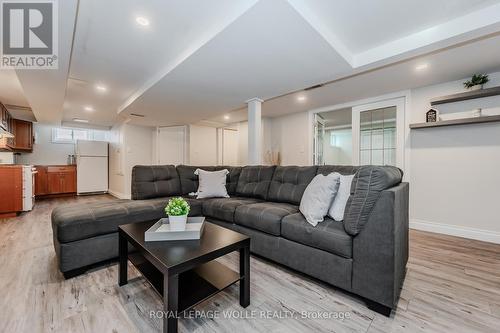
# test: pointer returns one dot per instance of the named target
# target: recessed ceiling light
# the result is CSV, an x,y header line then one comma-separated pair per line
x,y
301,98
421,67
226,117
78,120
142,21
101,88
89,109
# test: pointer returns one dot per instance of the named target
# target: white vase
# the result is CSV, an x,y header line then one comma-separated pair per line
x,y
177,223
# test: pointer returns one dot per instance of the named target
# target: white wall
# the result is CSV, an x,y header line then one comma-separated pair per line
x,y
242,128
453,171
202,145
6,158
130,145
116,162
290,136
44,151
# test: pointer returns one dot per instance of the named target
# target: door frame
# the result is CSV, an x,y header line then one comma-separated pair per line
x,y
406,94
320,120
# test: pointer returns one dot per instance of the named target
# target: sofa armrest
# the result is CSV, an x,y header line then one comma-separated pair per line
x,y
380,250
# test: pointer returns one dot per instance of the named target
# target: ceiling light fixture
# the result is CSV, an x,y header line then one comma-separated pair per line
x,y
78,120
301,98
101,88
226,117
142,21
89,109
421,67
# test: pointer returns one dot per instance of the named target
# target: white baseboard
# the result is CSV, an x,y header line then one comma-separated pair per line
x,y
119,195
459,231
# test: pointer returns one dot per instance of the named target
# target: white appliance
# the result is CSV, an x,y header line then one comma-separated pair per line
x,y
28,187
91,166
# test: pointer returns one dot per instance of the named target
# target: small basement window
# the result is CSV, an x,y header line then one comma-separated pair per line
x,y
71,135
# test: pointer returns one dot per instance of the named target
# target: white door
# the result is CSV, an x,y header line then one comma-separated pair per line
x,y
229,147
92,174
378,133
171,145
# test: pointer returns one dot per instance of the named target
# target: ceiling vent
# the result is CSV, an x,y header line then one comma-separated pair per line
x,y
313,87
137,115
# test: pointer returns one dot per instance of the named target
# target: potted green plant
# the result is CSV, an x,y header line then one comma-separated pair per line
x,y
177,211
476,82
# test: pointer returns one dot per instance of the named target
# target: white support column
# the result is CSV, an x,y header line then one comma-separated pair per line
x,y
254,131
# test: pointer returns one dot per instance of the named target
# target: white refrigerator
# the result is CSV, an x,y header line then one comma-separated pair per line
x,y
91,166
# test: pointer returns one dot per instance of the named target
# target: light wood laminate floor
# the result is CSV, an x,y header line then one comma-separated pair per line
x,y
452,285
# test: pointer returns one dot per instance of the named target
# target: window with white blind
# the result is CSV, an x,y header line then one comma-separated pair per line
x,y
70,135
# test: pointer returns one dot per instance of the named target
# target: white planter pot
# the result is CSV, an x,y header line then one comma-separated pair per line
x,y
476,87
177,223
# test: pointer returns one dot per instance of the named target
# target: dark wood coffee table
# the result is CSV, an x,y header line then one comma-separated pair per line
x,y
184,272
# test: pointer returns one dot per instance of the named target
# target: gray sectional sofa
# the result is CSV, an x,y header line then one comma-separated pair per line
x,y
366,254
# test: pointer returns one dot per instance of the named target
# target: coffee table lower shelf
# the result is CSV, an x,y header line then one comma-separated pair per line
x,y
195,285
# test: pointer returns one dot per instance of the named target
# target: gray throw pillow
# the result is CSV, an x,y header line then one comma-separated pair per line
x,y
318,197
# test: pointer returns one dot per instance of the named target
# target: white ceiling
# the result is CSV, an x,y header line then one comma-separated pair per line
x,y
448,65
11,91
199,60
261,54
365,24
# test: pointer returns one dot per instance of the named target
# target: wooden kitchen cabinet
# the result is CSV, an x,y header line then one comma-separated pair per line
x,y
21,129
11,190
55,180
23,135
41,181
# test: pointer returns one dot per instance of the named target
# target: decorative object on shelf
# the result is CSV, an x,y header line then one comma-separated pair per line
x,y
431,116
476,82
177,211
477,112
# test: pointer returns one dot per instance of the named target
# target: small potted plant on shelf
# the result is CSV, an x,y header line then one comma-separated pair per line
x,y
476,82
177,211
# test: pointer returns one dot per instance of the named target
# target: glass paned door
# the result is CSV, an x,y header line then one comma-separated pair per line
x,y
378,133
378,136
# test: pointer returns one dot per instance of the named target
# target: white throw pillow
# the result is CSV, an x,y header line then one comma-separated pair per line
x,y
212,184
337,209
318,197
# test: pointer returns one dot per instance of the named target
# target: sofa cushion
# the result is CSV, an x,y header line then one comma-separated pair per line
x,y
224,208
342,169
80,221
154,181
367,184
329,235
254,181
232,178
189,181
264,216
289,182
